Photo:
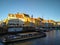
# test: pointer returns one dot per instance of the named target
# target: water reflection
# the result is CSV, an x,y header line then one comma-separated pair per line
x,y
27,42
52,38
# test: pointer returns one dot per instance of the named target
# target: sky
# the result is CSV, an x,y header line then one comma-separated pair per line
x,y
47,9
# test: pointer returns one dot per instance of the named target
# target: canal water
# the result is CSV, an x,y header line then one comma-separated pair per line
x,y
52,38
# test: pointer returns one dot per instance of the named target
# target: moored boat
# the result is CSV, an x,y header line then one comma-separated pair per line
x,y
21,36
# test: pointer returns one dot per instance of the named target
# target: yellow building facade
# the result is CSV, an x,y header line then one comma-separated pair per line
x,y
28,20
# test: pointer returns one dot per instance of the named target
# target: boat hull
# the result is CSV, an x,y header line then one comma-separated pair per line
x,y
31,36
